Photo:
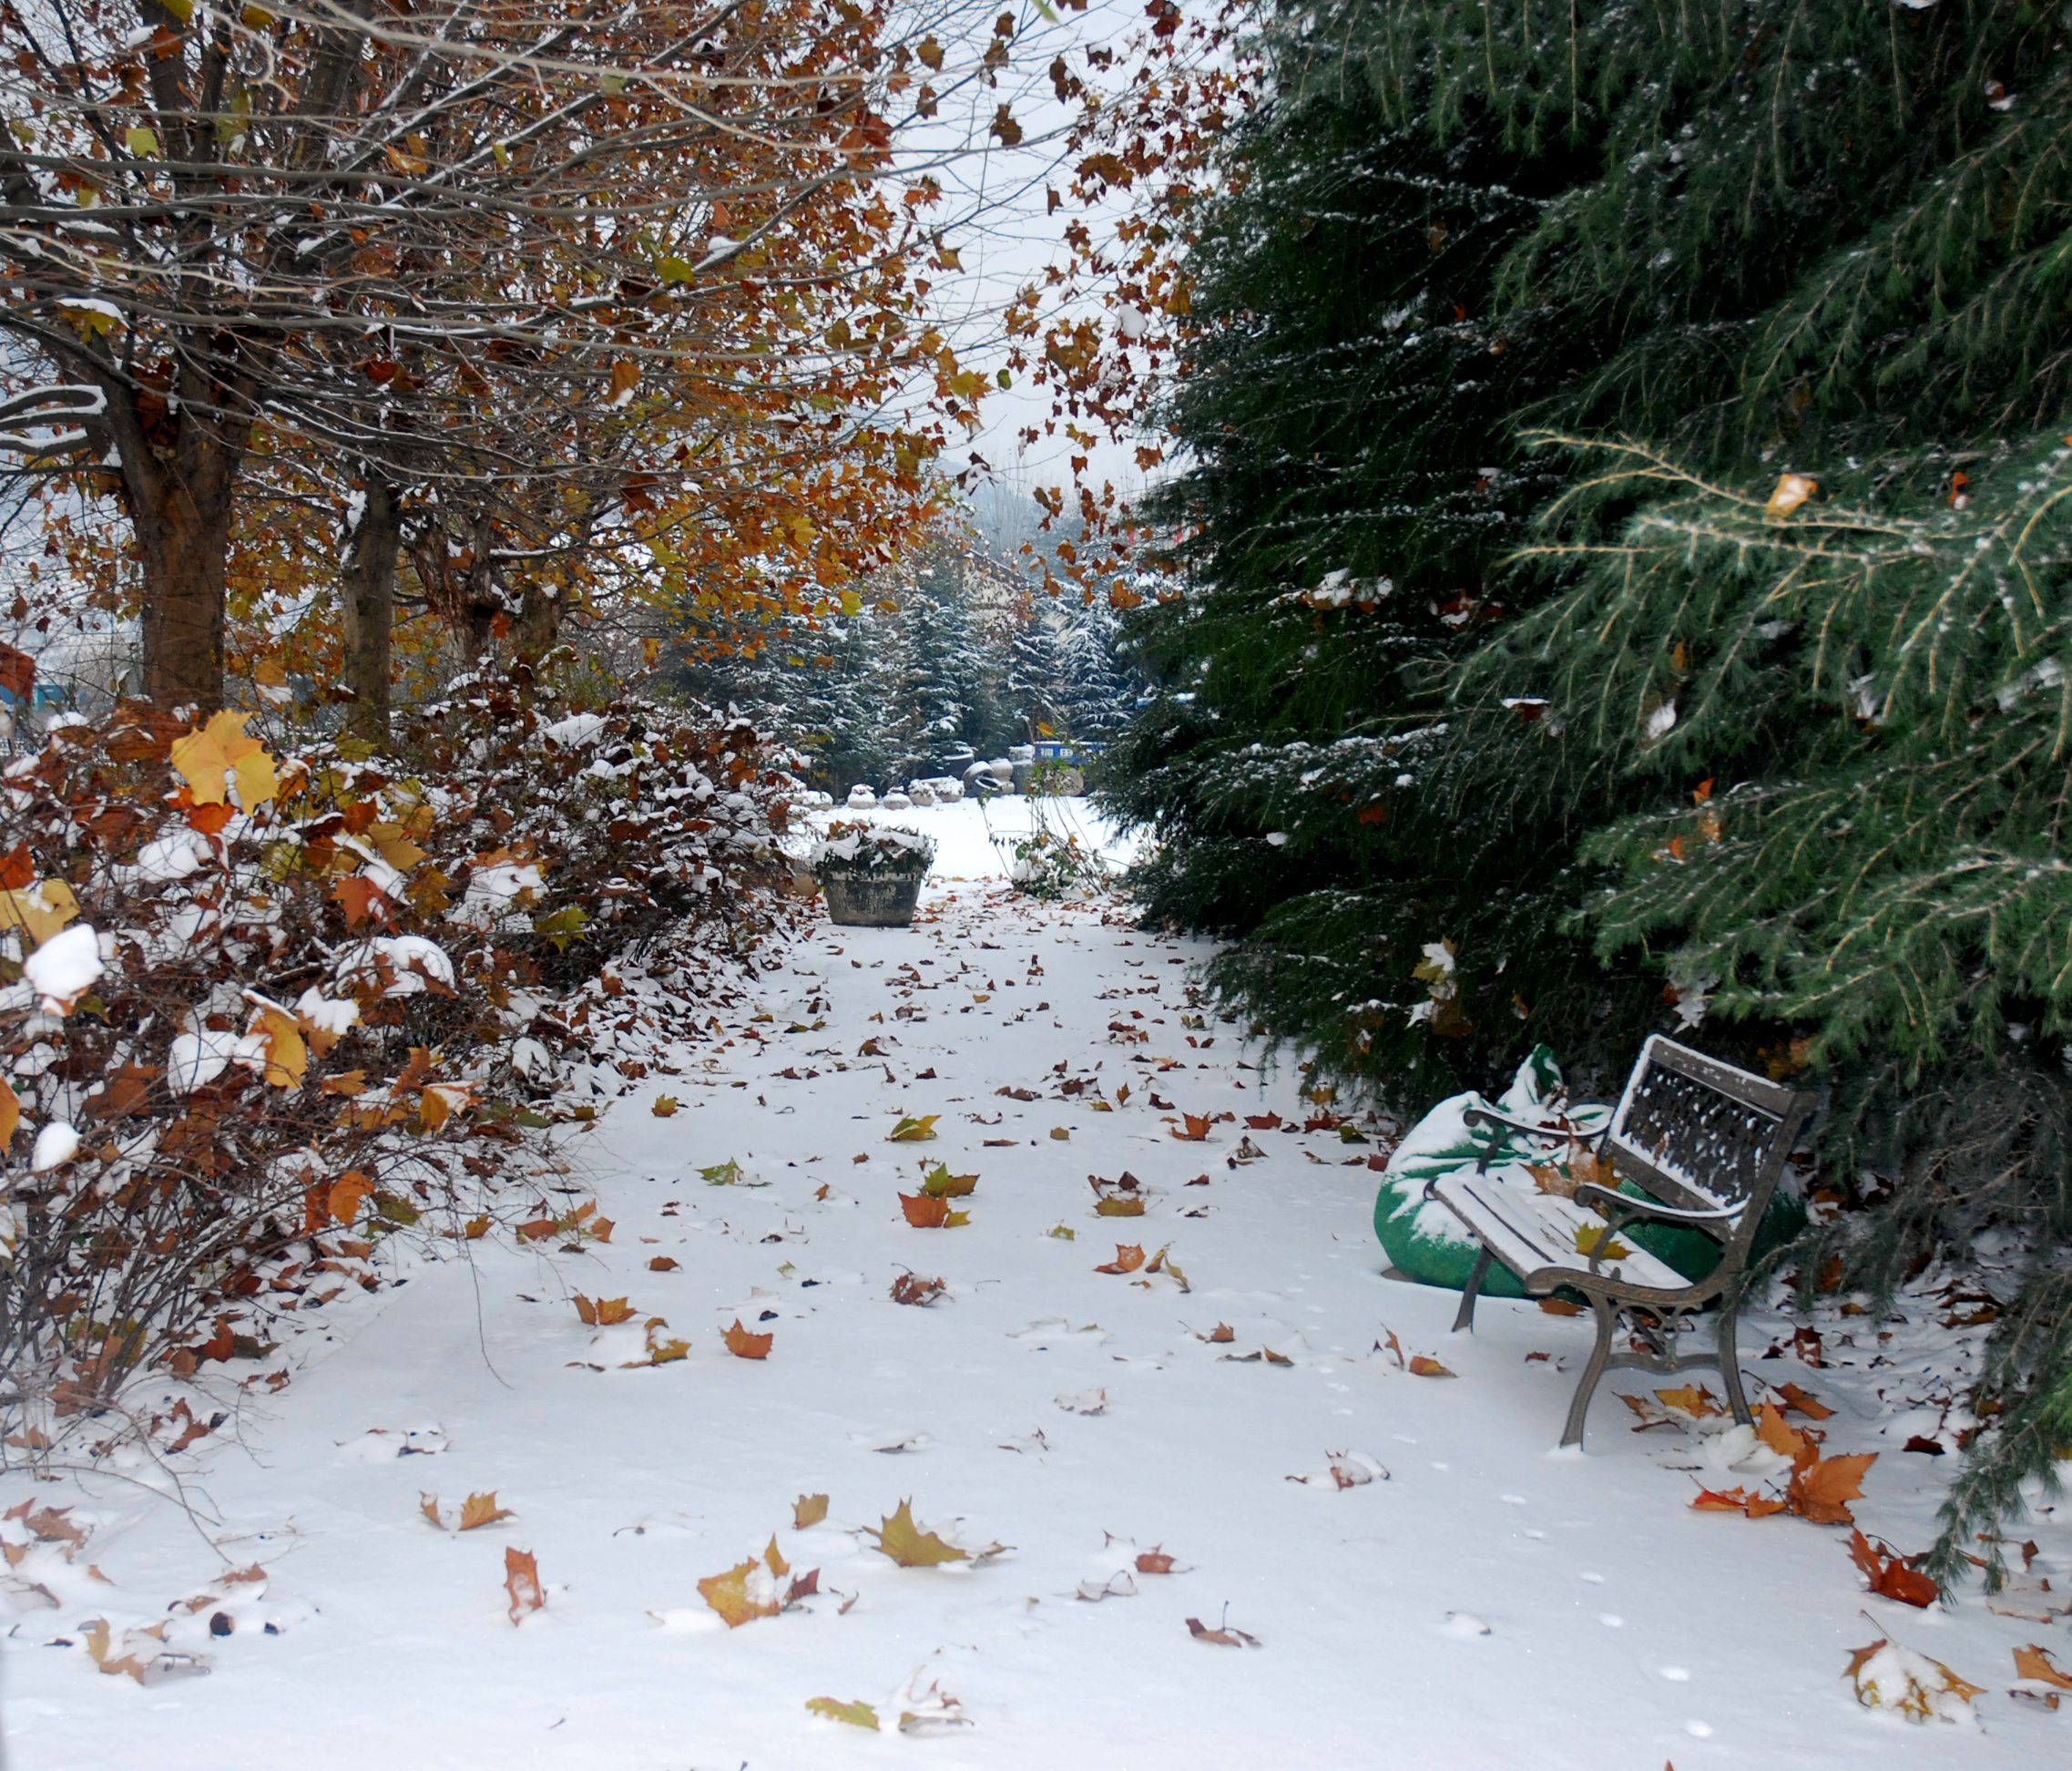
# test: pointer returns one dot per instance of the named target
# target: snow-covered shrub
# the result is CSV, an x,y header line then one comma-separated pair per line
x,y
895,801
861,798
1052,865
256,1007
853,849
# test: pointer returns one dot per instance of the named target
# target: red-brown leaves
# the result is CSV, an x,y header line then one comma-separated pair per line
x,y
1128,1258
1195,1129
911,1288
1890,1575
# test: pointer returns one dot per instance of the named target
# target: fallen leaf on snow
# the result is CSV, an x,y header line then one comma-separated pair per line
x,y
1346,1469
939,1183
908,1545
521,1580
856,1712
925,1213
911,1130
1225,1637
1888,1674
664,1106
1692,1399
1128,1258
1892,1576
663,1264
2033,1662
807,1510
1421,1365
911,1289
744,1344
1220,1335
603,1312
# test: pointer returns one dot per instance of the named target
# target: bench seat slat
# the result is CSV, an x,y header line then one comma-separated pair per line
x,y
1534,1234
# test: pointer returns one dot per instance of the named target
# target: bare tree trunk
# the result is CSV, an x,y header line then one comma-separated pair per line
x,y
183,538
368,607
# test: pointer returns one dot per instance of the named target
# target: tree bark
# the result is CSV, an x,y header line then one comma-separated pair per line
x,y
368,591
183,534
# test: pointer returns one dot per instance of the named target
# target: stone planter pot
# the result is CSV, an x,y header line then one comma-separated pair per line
x,y
871,900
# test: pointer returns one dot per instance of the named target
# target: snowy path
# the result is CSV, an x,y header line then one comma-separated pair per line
x,y
1622,1628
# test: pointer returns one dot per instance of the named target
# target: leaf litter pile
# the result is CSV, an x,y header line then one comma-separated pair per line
x,y
815,1404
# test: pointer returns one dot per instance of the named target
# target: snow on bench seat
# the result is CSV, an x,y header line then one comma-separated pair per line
x,y
1534,1233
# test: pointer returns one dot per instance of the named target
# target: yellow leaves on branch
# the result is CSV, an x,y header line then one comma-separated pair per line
x,y
219,752
38,910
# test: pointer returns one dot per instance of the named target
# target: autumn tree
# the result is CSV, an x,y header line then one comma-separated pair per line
x,y
447,248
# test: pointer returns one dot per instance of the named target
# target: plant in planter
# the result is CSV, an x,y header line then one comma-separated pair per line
x,y
872,874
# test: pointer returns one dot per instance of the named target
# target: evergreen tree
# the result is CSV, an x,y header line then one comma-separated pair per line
x,y
1812,735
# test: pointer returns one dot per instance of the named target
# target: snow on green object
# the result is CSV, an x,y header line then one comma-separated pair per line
x,y
1426,1242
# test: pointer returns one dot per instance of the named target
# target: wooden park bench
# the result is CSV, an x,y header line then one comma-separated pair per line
x,y
1705,1142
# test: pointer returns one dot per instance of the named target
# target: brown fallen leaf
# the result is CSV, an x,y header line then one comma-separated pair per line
x,y
603,1312
908,1545
1423,1366
1798,1401
1889,1675
1115,1205
911,1289
1737,1499
1222,1334
1820,1489
1195,1130
1154,1561
1128,1258
2033,1662
665,1106
480,1509
1692,1399
925,1213
521,1580
1890,1575
1060,1134
807,1511
744,1344
663,1264
1560,1307
1225,1637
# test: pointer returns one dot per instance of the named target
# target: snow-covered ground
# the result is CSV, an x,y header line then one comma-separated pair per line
x,y
1490,1603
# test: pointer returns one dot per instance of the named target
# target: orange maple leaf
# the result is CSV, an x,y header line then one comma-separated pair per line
x,y
1820,1489
603,1312
521,1580
743,1345
1128,1258
1890,1575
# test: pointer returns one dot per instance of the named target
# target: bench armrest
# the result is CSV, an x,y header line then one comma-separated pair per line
x,y
1632,1205
1476,1116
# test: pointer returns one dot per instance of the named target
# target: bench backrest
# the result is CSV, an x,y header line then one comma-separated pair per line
x,y
1699,1133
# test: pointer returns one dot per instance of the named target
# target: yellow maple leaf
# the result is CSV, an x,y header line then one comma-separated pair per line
x,y
479,1509
729,1594
39,910
1592,1239
209,753
287,1055
808,1509
913,1130
663,1349
1693,1400
908,1545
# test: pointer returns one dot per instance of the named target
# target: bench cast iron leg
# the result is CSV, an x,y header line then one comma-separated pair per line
x,y
1608,1322
1466,1318
1731,1367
